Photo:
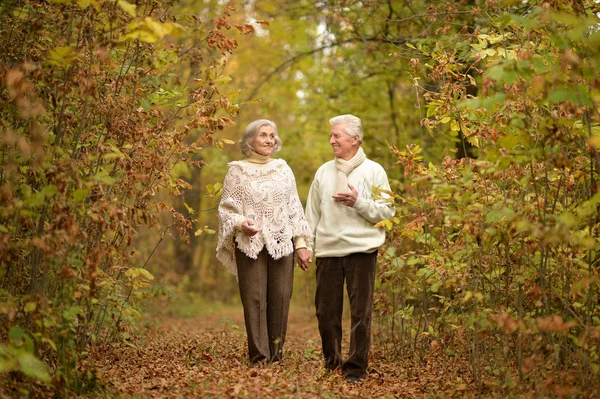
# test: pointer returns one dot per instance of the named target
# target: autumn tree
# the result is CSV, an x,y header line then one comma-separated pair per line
x,y
103,104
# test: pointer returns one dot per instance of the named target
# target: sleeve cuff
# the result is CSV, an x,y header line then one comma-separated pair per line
x,y
238,225
300,242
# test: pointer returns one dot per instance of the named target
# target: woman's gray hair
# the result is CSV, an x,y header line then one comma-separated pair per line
x,y
353,125
250,134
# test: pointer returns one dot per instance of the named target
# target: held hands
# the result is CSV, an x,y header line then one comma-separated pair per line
x,y
248,227
304,257
348,199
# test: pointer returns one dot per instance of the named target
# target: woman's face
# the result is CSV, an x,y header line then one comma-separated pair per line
x,y
264,142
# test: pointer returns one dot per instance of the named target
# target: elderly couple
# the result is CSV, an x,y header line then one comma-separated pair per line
x,y
262,225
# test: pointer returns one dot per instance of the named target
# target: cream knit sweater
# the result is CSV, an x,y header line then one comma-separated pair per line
x,y
264,190
340,230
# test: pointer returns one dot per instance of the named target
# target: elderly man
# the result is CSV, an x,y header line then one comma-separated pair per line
x,y
341,211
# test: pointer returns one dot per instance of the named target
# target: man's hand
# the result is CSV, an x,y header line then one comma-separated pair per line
x,y
304,257
248,227
348,199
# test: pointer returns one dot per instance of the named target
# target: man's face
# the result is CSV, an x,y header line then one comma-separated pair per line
x,y
344,146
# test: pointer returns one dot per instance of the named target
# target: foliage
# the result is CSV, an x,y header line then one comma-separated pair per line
x,y
484,114
498,249
102,104
490,112
502,250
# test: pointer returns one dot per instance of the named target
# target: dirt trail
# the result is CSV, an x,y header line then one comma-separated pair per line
x,y
204,356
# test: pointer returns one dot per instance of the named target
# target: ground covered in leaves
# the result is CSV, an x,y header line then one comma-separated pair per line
x,y
204,355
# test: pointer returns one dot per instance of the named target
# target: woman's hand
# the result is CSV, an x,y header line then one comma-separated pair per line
x,y
248,227
304,257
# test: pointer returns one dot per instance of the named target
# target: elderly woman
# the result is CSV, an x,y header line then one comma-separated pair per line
x,y
261,223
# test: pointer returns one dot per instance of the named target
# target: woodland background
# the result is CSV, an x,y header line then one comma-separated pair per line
x,y
118,118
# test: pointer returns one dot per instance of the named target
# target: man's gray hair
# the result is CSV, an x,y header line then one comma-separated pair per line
x,y
353,125
250,134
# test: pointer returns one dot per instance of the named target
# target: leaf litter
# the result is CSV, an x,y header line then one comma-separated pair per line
x,y
205,356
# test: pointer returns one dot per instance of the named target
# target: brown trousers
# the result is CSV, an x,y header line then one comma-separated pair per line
x,y
358,270
265,289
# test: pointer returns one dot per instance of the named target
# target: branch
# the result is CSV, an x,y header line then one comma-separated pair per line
x,y
295,58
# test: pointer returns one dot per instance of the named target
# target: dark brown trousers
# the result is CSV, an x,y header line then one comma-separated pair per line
x,y
358,270
265,289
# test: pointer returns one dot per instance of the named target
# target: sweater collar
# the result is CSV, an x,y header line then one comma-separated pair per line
x,y
258,158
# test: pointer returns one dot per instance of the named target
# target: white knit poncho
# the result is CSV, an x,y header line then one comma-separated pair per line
x,y
267,194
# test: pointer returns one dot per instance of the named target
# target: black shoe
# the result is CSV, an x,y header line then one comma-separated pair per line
x,y
352,379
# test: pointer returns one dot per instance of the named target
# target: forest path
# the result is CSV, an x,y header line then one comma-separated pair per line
x,y
205,356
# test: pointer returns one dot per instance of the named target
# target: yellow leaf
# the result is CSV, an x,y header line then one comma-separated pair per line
x,y
474,141
159,28
384,223
468,295
594,141
127,7
255,101
144,35
62,56
454,126
145,274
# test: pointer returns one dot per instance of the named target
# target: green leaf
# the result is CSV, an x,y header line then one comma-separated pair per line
x,y
71,313
80,194
30,307
528,23
49,191
559,96
32,366
16,335
223,79
103,177
497,215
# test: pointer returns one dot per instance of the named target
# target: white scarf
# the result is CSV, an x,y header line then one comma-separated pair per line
x,y
344,168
